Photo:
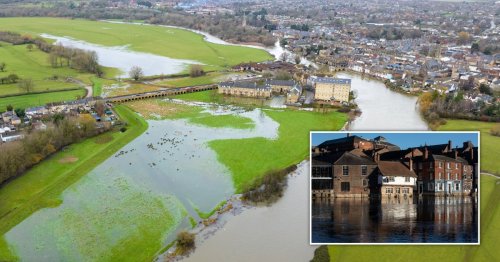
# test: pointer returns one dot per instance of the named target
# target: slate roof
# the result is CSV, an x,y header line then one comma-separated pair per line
x,y
340,140
395,168
330,80
342,158
242,84
280,82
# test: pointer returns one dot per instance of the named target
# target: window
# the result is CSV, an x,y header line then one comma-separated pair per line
x,y
365,182
364,170
448,175
389,190
345,170
440,176
398,190
407,179
440,164
447,164
430,165
345,186
432,176
456,176
406,190
456,165
440,186
457,186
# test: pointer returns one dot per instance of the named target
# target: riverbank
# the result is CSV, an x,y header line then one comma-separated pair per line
x,y
246,228
41,186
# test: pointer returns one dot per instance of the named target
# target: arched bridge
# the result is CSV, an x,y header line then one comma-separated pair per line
x,y
160,93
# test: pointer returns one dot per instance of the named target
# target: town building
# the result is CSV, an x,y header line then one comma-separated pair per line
x,y
329,89
396,179
246,89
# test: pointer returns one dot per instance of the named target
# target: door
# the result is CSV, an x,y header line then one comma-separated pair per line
x,y
449,188
420,188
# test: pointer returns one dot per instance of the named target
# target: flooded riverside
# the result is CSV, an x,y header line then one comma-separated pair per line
x,y
143,193
382,108
275,233
414,220
124,59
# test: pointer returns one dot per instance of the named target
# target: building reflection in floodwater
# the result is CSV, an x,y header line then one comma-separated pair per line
x,y
393,220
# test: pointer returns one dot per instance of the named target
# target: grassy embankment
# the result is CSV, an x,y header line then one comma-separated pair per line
x,y
182,44
490,215
42,185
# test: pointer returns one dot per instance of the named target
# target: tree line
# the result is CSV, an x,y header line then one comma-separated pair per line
x,y
59,55
19,156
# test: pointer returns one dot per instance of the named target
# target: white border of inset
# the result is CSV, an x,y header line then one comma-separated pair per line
x,y
478,133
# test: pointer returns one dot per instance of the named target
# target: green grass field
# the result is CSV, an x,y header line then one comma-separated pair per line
x,y
489,144
246,159
209,78
170,42
42,185
32,64
30,100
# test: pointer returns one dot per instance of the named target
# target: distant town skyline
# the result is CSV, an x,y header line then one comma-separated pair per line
x,y
404,140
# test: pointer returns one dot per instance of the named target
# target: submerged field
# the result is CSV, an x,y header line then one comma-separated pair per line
x,y
168,42
42,186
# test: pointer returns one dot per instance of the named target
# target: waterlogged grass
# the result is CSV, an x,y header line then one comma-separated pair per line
x,y
250,159
117,221
210,96
489,144
209,78
231,121
30,100
41,186
169,42
205,215
487,251
159,109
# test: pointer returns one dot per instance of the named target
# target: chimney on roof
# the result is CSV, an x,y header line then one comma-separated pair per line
x,y
348,134
456,153
472,153
377,157
426,153
411,163
449,145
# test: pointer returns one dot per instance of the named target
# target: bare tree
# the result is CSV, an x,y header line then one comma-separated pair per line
x,y
196,70
297,59
284,57
136,73
29,47
26,84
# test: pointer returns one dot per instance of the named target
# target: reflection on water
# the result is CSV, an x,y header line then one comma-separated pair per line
x,y
413,220
124,59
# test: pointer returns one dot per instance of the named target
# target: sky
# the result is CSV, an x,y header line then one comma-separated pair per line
x,y
405,140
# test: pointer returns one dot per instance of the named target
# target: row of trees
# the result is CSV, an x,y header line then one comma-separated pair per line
x,y
435,106
82,60
59,55
18,156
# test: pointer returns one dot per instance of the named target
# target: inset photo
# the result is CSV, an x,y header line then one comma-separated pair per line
x,y
394,188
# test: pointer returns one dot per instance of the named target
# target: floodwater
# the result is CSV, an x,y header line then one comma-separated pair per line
x,y
276,233
124,59
421,220
383,109
167,171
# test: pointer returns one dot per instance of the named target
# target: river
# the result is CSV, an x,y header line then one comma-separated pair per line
x,y
139,177
280,232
